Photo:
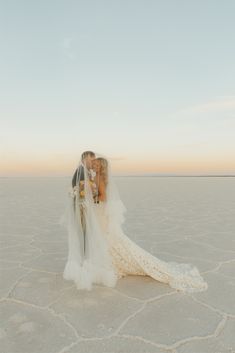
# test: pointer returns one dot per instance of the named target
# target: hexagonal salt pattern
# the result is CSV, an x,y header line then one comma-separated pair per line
x,y
25,328
9,276
219,286
116,344
170,319
100,311
39,288
177,219
223,342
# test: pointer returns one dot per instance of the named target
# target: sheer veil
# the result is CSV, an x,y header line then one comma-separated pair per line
x,y
88,259
184,277
114,207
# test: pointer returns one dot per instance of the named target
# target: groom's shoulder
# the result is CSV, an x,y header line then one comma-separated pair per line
x,y
80,169
79,173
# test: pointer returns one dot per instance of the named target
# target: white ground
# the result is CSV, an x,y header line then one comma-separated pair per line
x,y
180,219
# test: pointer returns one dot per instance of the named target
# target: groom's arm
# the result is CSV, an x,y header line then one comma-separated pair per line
x,y
80,173
74,178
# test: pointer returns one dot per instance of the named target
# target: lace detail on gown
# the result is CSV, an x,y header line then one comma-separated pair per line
x,y
129,258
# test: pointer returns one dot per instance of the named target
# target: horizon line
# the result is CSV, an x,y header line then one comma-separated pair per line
x,y
124,175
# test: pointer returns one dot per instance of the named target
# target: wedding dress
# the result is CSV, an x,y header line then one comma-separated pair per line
x,y
110,253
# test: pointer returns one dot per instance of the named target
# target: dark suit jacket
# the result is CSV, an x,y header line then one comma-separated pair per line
x,y
80,175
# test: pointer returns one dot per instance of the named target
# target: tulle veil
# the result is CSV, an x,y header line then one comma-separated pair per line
x,y
94,264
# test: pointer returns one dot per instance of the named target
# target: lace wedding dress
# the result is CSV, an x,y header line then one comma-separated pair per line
x,y
128,258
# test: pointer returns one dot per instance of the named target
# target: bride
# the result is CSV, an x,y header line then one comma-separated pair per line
x,y
98,249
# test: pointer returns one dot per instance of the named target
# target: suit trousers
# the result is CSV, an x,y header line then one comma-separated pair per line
x,y
79,211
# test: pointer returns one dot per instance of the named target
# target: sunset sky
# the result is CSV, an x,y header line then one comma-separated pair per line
x,y
148,83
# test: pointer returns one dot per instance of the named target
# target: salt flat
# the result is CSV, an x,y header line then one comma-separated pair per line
x,y
180,219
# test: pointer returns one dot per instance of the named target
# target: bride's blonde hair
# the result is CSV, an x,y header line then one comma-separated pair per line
x,y
103,168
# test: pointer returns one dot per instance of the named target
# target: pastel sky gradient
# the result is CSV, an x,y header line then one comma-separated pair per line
x,y
149,83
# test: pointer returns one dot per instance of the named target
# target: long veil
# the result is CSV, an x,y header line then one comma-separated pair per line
x,y
88,259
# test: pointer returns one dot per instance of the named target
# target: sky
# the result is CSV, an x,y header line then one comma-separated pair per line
x,y
148,83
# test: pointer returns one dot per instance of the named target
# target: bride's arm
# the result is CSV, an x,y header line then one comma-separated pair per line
x,y
102,191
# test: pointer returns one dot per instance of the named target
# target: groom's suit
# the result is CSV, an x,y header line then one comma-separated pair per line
x,y
78,176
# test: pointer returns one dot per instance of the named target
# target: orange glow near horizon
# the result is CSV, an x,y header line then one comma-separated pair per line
x,y
65,166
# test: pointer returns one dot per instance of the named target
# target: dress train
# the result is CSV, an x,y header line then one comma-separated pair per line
x,y
128,258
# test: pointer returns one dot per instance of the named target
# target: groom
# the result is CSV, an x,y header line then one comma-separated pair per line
x,y
87,158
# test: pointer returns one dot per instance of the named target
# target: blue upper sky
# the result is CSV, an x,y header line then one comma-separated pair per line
x,y
149,83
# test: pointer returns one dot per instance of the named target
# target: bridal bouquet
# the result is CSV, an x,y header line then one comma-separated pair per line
x,y
79,190
82,190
